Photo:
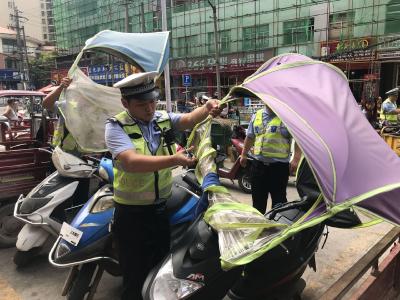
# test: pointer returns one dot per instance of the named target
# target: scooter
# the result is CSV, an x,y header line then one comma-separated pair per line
x,y
56,199
192,269
94,251
236,172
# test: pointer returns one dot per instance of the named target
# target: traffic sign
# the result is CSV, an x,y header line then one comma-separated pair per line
x,y
186,80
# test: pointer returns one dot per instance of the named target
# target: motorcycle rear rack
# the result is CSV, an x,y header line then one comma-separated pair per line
x,y
79,262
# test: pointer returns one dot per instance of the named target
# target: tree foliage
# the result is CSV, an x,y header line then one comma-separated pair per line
x,y
40,69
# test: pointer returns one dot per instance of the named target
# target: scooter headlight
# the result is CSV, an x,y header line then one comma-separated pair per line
x,y
61,250
103,174
102,204
167,287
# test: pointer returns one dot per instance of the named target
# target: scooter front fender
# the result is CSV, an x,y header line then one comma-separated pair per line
x,y
30,237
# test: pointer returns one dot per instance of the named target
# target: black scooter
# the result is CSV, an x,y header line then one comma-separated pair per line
x,y
192,269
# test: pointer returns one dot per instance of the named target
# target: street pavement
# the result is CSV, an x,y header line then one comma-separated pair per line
x,y
40,281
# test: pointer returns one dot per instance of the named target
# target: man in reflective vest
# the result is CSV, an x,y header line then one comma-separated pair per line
x,y
142,175
61,135
389,112
270,164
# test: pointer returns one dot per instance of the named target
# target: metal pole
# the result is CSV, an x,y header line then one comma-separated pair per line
x,y
126,16
142,20
216,39
166,69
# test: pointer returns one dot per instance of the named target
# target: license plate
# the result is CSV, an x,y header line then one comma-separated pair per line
x,y
70,234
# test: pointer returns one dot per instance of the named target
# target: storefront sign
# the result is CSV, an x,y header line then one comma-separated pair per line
x,y
58,74
9,75
388,47
344,50
102,73
230,62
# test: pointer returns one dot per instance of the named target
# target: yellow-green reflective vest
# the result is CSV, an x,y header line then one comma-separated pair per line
x,y
269,140
62,138
142,188
392,118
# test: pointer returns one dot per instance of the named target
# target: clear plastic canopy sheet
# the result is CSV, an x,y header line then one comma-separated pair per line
x,y
88,104
352,165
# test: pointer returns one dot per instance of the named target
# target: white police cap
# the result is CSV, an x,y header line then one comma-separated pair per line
x,y
394,91
139,86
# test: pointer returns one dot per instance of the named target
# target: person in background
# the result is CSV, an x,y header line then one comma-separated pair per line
x,y
61,136
136,138
11,110
270,164
389,112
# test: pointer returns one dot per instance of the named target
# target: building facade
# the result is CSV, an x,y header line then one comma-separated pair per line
x,y
10,69
360,37
36,17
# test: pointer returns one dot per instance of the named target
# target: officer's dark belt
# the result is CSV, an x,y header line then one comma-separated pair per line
x,y
143,208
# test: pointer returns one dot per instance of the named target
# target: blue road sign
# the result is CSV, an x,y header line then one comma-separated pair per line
x,y
186,80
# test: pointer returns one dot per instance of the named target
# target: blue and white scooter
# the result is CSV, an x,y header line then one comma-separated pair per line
x,y
87,244
55,200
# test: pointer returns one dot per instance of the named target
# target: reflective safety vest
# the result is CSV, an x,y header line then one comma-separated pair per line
x,y
269,140
62,138
392,118
141,188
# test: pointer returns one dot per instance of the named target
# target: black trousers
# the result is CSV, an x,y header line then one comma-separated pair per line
x,y
143,239
269,179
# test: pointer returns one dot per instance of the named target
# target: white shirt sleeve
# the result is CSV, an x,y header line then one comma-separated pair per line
x,y
117,140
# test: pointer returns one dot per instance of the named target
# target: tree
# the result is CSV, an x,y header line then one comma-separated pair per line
x,y
40,69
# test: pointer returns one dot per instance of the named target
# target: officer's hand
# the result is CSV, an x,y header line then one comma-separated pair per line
x,y
65,82
243,161
213,108
293,167
183,159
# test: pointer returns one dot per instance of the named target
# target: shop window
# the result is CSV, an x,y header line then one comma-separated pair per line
x,y
192,45
224,41
9,46
392,24
249,38
256,37
299,31
181,47
341,25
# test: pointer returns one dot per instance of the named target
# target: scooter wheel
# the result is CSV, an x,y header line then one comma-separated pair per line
x,y
23,258
9,226
244,181
81,284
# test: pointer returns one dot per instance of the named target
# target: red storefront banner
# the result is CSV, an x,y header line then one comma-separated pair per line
x,y
58,74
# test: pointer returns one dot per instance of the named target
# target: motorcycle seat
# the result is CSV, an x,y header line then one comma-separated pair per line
x,y
179,195
29,205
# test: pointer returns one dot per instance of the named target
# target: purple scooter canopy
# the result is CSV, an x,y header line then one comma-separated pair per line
x,y
353,166
351,162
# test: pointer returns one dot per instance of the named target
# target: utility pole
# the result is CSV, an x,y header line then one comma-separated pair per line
x,y
216,39
166,69
26,56
19,46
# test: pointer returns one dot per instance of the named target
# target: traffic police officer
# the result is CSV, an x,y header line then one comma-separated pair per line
x,y
142,175
270,165
389,111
